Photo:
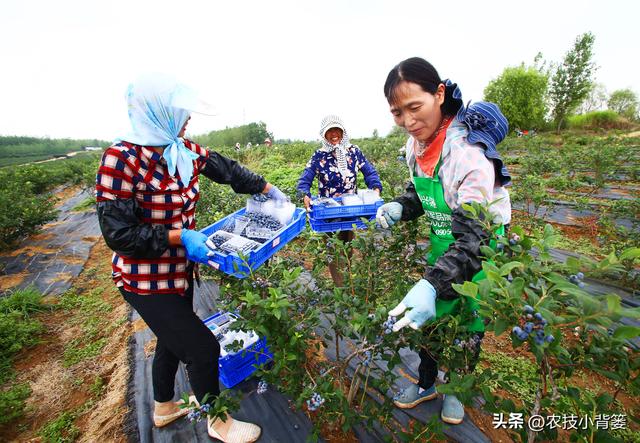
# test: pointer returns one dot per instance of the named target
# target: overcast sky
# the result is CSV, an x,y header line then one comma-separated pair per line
x,y
66,64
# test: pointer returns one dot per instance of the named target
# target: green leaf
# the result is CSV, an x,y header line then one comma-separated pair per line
x,y
573,263
613,303
630,312
467,288
500,326
469,208
626,332
508,267
630,254
487,252
516,287
490,267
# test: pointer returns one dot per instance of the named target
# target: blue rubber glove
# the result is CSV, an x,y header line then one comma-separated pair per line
x,y
389,214
422,298
199,247
276,194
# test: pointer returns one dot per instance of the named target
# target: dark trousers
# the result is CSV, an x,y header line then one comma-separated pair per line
x,y
428,369
182,337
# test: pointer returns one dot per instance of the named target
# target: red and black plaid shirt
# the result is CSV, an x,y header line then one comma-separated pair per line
x,y
130,171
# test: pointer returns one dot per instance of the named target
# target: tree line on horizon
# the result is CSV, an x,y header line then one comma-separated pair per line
x,y
547,95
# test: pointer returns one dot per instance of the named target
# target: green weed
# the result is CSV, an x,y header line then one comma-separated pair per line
x,y
60,430
12,402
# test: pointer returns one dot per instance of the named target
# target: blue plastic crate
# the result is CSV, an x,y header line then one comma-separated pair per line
x,y
233,265
322,211
234,368
326,225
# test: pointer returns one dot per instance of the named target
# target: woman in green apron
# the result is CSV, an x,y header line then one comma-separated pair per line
x,y
452,159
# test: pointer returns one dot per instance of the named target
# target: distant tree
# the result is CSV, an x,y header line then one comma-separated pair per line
x,y
397,131
253,133
596,100
625,103
572,80
520,92
375,133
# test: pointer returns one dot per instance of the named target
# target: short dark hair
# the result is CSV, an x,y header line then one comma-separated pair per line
x,y
419,71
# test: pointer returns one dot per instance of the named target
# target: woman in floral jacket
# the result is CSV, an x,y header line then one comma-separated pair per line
x,y
336,164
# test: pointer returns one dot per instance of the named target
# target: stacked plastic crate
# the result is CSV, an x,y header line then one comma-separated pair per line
x,y
237,365
345,212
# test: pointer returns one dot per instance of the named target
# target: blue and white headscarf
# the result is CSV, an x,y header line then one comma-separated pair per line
x,y
487,126
158,108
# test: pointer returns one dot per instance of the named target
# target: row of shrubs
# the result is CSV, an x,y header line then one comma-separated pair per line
x,y
599,120
26,201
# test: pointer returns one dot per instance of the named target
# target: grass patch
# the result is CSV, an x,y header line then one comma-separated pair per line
x,y
97,387
78,350
516,375
61,429
89,304
18,330
582,246
12,402
89,313
85,205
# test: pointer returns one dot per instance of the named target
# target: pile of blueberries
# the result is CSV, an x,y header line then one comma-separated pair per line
x,y
388,324
472,343
260,198
198,413
513,240
535,324
315,402
367,358
256,220
576,279
262,387
218,240
263,220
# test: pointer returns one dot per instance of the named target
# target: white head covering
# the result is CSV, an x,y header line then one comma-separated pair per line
x,y
333,121
158,108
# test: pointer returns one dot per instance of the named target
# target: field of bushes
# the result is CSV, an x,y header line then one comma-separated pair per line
x,y
594,174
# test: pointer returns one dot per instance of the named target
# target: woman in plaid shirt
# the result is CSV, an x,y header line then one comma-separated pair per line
x,y
146,191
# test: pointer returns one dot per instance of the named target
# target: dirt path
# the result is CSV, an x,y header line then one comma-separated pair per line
x,y
50,260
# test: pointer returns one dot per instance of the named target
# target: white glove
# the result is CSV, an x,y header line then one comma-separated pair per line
x,y
388,214
422,298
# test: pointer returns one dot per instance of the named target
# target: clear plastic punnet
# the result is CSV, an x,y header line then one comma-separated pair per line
x,y
351,200
368,196
281,211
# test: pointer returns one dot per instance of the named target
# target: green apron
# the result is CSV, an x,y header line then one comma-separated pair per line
x,y
431,195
